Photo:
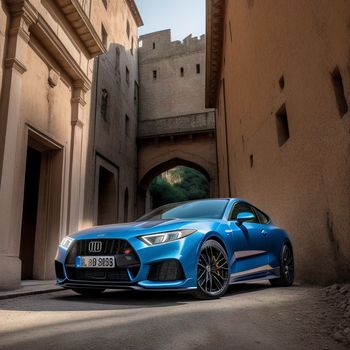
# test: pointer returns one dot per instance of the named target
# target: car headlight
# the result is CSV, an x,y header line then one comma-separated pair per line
x,y
164,237
66,242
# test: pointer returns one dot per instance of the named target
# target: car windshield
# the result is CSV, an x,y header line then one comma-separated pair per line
x,y
200,209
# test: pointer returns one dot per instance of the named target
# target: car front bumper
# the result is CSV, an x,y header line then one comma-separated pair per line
x,y
183,251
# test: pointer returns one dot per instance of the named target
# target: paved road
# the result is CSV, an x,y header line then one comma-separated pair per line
x,y
253,316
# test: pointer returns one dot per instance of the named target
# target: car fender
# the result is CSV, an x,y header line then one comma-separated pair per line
x,y
224,240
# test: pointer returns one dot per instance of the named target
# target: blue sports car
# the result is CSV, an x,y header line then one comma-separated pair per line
x,y
201,246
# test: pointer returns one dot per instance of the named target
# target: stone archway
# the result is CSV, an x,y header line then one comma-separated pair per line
x,y
171,163
155,158
157,165
195,149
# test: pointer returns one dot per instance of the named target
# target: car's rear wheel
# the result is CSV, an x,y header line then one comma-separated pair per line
x,y
88,292
286,268
212,271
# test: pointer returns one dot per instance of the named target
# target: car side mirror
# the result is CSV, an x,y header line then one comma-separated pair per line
x,y
245,216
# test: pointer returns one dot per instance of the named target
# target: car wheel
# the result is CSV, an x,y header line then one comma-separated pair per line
x,y
212,271
286,268
88,292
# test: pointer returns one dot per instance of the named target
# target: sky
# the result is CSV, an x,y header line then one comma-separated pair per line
x,y
183,17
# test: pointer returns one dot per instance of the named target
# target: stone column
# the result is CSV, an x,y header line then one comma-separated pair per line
x,y
77,161
22,17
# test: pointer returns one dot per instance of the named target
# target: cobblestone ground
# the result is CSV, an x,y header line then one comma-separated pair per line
x,y
252,316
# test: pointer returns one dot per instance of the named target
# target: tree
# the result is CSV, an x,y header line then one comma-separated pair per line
x,y
194,184
180,184
163,192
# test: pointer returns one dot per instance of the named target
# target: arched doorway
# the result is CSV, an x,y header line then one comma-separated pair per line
x,y
145,202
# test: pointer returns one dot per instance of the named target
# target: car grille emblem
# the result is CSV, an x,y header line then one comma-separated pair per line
x,y
95,246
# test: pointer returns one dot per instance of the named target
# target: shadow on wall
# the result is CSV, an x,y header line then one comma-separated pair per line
x,y
107,150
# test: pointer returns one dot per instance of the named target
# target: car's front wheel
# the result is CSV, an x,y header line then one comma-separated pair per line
x,y
212,272
88,292
286,268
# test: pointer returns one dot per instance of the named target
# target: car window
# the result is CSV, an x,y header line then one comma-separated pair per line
x,y
197,209
263,218
243,208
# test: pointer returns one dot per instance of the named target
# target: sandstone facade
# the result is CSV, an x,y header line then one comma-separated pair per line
x,y
278,73
111,175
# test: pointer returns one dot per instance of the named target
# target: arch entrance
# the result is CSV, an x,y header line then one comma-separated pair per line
x,y
197,152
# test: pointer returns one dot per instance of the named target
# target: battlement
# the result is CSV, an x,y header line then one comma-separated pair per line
x,y
159,45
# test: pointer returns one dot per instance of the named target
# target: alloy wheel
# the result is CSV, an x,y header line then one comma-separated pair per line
x,y
288,264
213,272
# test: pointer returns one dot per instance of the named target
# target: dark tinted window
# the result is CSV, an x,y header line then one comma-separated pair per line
x,y
263,218
243,208
201,209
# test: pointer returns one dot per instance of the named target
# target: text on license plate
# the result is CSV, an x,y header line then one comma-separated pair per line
x,y
95,262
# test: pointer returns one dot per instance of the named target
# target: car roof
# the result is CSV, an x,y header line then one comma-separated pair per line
x,y
223,198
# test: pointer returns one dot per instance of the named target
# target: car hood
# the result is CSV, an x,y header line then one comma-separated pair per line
x,y
137,228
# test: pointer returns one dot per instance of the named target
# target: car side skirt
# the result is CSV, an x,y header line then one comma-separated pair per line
x,y
262,272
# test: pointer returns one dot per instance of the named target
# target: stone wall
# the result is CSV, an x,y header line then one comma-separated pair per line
x,y
169,93
285,65
174,126
3,24
113,124
184,124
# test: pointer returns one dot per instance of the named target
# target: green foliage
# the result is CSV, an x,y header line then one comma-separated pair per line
x,y
182,184
194,184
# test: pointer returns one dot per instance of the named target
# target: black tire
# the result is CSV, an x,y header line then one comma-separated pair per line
x,y
212,272
286,268
88,292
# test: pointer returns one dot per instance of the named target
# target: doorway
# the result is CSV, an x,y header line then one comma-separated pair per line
x,y
41,216
30,210
107,197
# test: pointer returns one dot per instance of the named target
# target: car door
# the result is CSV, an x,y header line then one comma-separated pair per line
x,y
250,244
269,231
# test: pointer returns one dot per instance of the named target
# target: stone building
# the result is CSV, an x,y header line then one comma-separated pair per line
x,y
51,147
174,126
278,73
111,175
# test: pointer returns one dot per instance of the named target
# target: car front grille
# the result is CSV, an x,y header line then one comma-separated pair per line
x,y
127,261
109,246
119,275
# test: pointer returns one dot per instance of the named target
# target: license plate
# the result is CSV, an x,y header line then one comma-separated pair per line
x,y
105,262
